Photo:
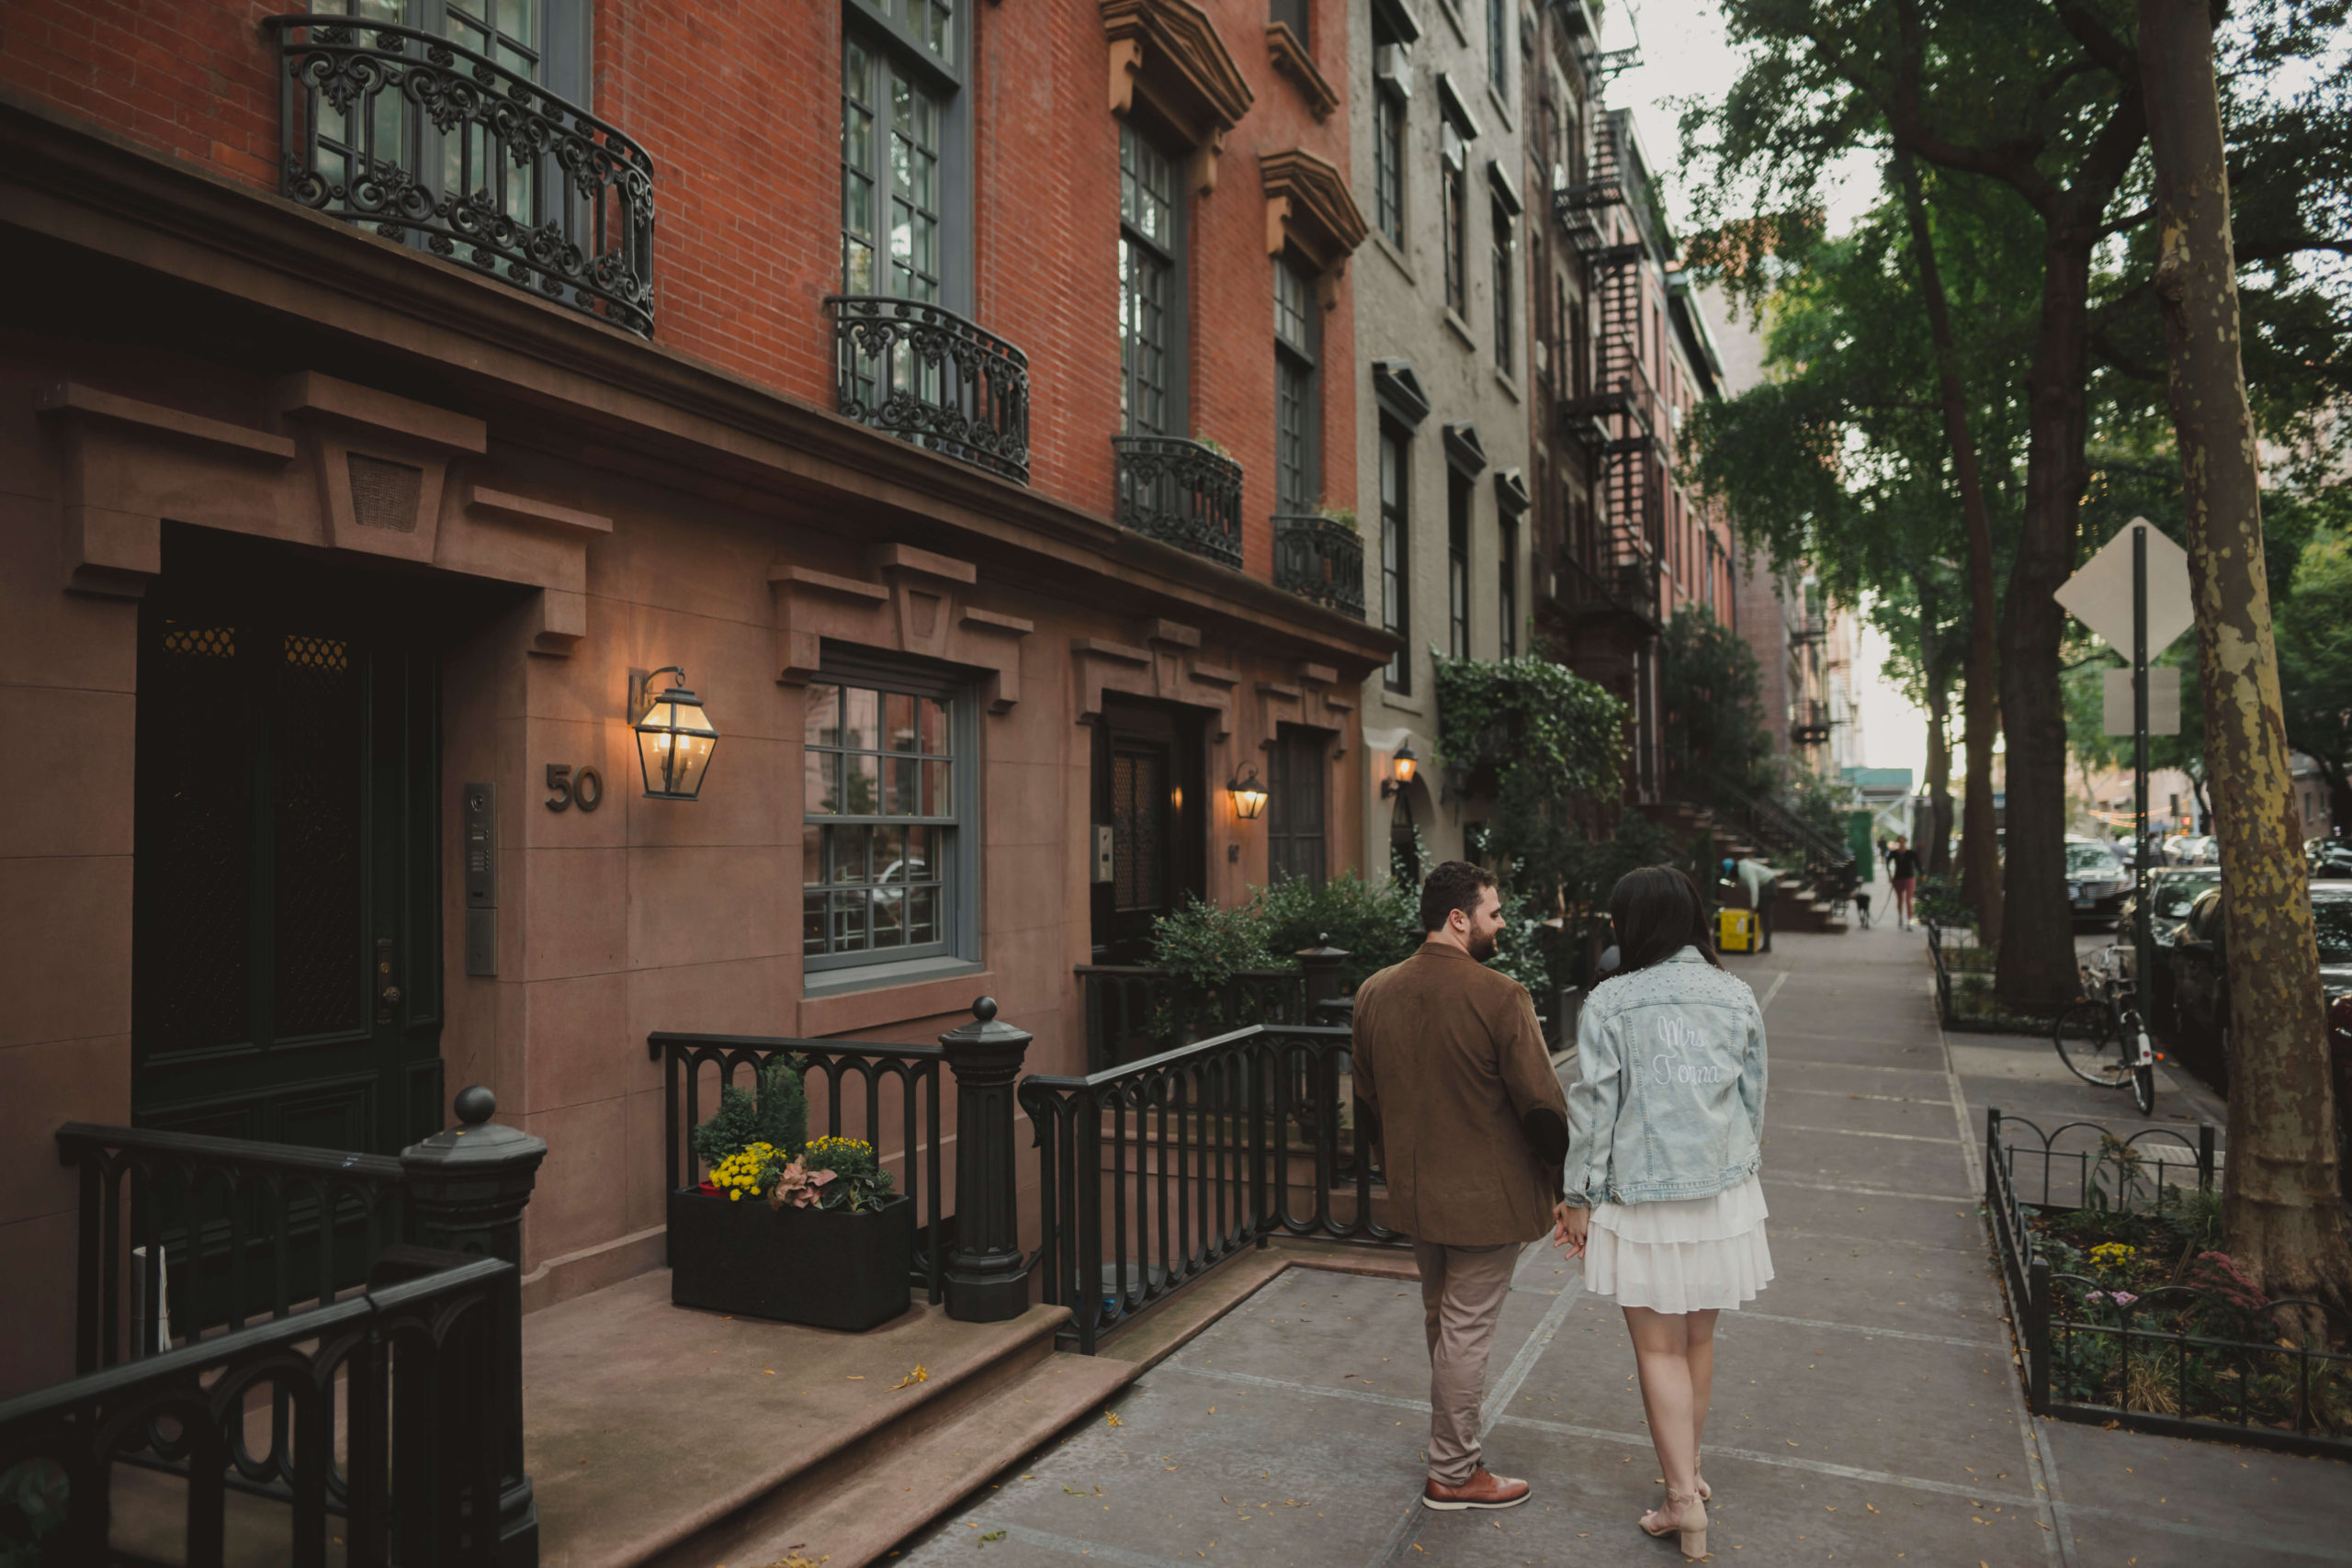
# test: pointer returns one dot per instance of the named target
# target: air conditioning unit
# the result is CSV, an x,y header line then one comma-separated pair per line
x,y
1393,65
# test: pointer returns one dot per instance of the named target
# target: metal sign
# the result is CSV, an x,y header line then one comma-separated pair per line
x,y
2099,595
2163,701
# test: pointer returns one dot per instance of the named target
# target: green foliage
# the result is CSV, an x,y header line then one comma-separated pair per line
x,y
1524,951
1938,903
2314,637
1820,803
1712,695
1547,746
1374,925
859,1181
776,1114
1206,947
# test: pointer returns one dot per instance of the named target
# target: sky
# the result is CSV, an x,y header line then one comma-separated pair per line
x,y
1685,54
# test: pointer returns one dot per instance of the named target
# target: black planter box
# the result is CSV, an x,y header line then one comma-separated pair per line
x,y
825,1267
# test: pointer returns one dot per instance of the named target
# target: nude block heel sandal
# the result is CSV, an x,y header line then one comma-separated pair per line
x,y
1693,1539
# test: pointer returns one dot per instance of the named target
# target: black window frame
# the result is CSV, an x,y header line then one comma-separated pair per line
x,y
1388,132
1454,188
1506,588
1460,495
957,945
1298,419
1498,48
1503,244
1296,15
898,51
1169,264
1396,553
1298,805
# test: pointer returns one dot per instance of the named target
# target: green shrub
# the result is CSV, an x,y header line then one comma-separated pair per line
x,y
859,1181
776,1114
1374,925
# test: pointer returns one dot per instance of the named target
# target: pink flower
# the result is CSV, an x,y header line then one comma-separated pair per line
x,y
2123,1298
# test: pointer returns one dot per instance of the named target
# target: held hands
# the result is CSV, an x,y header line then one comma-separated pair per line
x,y
1568,1227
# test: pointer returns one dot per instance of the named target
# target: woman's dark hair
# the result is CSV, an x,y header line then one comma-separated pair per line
x,y
1454,885
1657,913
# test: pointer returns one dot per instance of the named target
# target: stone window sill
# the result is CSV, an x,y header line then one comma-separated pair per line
x,y
872,997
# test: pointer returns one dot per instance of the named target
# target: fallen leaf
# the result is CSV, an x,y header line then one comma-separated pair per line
x,y
1114,1419
921,1374
855,1377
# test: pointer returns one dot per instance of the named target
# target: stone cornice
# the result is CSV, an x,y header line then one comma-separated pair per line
x,y
1308,208
1168,53
1290,57
596,395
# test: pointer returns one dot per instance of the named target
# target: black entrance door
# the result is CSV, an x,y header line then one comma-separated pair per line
x,y
1147,761
286,935
1297,784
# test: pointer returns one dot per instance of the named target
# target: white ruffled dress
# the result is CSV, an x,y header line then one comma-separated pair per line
x,y
1687,1256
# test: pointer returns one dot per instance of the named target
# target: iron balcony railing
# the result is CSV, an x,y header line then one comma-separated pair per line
x,y
1809,723
928,375
425,141
1320,560
696,1070
1183,492
1151,1173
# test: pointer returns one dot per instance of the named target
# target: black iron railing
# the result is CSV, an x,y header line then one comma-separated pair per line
x,y
423,139
696,1067
215,1231
391,1397
930,377
1153,1172
2154,1361
1321,560
1134,1010
1181,492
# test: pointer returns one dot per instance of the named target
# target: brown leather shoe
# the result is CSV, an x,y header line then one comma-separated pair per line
x,y
1484,1489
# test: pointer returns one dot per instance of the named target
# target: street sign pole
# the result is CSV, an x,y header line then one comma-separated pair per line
x,y
2143,931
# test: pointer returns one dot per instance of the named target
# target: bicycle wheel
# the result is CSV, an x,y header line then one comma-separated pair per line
x,y
2090,1045
2144,1090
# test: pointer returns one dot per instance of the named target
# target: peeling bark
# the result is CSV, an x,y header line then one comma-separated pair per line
x,y
2284,1220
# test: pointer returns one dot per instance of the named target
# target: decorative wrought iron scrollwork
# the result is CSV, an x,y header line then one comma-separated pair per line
x,y
1322,560
1183,492
928,375
420,138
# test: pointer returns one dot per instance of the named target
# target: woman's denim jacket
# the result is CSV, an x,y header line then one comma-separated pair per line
x,y
1669,1100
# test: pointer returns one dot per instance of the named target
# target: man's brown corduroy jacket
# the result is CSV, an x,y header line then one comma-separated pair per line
x,y
1471,1119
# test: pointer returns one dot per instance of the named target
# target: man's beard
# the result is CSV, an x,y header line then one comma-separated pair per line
x,y
1483,947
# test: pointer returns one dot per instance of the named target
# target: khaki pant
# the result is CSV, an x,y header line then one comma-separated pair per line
x,y
1463,1290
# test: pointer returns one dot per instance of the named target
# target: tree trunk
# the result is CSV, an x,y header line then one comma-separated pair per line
x,y
1935,858
2037,969
2283,1214
1980,850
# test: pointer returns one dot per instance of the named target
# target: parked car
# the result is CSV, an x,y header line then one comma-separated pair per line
x,y
2097,883
2328,857
2190,848
2171,891
2200,977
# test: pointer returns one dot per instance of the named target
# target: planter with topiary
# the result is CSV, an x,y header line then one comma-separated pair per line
x,y
787,1227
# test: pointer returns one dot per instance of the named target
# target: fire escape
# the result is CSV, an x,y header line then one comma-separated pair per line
x,y
1612,571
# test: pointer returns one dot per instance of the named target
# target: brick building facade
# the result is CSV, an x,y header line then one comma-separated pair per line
x,y
394,413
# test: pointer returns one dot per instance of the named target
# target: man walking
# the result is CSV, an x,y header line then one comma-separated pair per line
x,y
1472,1128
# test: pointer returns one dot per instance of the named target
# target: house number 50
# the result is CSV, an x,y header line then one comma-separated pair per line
x,y
584,787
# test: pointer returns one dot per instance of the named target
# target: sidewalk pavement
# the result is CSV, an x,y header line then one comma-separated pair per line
x,y
1866,1408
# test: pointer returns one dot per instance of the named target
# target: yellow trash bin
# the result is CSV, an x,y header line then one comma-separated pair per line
x,y
1735,931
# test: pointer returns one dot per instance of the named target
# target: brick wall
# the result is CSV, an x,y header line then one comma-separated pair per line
x,y
739,107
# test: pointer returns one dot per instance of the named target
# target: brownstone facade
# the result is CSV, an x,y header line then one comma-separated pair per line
x,y
224,416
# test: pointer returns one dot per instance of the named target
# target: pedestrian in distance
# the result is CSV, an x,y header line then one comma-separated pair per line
x,y
1472,1125
1760,880
1666,1136
1902,875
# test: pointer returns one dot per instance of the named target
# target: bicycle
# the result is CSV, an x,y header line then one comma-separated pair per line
x,y
2102,1038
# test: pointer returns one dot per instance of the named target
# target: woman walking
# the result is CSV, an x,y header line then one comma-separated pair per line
x,y
1666,1123
1902,875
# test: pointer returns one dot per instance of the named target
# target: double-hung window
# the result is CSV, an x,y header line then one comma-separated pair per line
x,y
1458,492
887,839
903,138
1151,288
1396,553
1498,48
1296,412
1506,264
1507,587
1391,80
1453,193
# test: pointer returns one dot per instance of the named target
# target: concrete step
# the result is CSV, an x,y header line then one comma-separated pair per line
x,y
855,1506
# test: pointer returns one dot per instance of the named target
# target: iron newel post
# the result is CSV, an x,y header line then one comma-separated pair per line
x,y
468,1188
986,1280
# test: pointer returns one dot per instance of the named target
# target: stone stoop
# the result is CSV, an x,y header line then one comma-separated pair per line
x,y
852,1507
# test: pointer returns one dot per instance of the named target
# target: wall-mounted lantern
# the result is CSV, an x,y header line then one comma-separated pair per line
x,y
1401,767
675,736
1249,795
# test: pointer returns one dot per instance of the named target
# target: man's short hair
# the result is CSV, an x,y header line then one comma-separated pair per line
x,y
1454,885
